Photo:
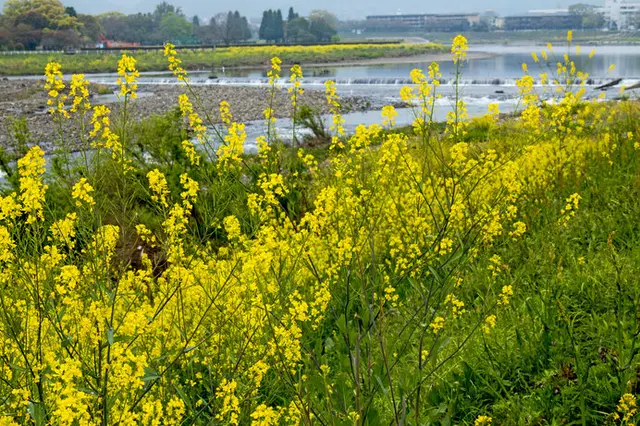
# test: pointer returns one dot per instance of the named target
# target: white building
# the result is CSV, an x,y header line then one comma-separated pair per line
x,y
621,12
547,11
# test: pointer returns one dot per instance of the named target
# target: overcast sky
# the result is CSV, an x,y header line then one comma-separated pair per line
x,y
349,9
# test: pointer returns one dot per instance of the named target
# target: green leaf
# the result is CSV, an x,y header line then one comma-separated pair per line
x,y
37,413
329,344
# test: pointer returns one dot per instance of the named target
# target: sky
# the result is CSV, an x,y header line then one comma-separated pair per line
x,y
351,9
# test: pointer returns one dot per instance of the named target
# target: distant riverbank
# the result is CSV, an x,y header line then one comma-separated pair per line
x,y
100,62
520,38
423,58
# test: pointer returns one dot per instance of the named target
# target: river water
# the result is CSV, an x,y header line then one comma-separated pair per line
x,y
485,80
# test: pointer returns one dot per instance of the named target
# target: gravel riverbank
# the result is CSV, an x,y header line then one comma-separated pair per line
x,y
27,99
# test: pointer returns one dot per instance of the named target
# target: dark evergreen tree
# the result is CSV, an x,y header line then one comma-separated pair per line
x,y
229,27
278,27
263,25
292,15
246,30
272,26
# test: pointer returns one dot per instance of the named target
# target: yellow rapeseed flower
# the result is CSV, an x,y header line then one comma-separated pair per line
x,y
505,294
389,115
82,193
296,84
489,324
79,91
159,187
459,48
175,62
437,324
128,75
190,193
483,421
31,168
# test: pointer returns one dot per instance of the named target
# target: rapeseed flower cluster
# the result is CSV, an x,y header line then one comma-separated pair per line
x,y
232,148
483,421
104,137
31,169
175,62
459,48
128,76
197,126
389,115
159,187
337,126
570,209
79,92
296,84
627,409
54,84
82,193
287,316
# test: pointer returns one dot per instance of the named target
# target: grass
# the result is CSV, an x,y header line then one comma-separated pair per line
x,y
201,59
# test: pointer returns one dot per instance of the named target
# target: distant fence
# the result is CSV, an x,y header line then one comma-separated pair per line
x,y
29,52
187,47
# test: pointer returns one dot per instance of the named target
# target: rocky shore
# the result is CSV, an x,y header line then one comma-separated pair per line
x,y
27,99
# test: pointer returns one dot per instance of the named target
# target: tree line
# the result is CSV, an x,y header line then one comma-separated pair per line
x,y
320,26
48,24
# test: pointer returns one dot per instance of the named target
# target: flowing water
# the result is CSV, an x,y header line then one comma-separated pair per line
x,y
485,81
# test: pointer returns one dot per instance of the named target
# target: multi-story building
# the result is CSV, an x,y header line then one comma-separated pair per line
x,y
543,20
426,19
622,13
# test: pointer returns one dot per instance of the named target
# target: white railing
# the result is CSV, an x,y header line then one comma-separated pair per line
x,y
51,52
30,52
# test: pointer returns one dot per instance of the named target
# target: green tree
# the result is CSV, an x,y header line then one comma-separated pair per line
x,y
23,36
32,23
323,25
264,23
246,29
59,39
591,17
90,28
34,19
141,27
51,11
230,27
114,25
272,26
298,31
292,15
71,11
163,9
176,29
278,25
5,32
